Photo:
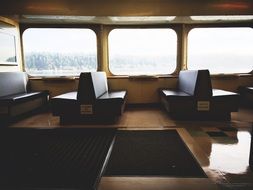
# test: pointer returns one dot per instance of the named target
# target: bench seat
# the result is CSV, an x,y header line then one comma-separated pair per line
x,y
195,98
22,97
15,97
91,101
68,104
246,95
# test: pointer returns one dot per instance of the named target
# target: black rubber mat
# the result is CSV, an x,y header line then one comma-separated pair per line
x,y
53,158
152,153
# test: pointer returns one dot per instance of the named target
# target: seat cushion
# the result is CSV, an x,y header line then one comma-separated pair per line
x,y
65,104
245,89
22,97
223,93
225,101
111,103
69,96
249,89
246,96
121,95
173,93
175,100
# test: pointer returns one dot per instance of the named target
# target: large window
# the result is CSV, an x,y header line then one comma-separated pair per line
x,y
142,51
7,48
221,50
59,52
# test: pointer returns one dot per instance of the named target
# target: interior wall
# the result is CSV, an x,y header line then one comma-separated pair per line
x,y
231,83
142,90
54,86
139,90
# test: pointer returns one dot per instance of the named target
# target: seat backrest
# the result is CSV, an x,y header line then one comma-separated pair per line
x,y
203,87
99,83
196,83
187,81
13,83
91,86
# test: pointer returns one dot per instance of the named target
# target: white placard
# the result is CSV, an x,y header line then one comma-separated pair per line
x,y
203,105
86,109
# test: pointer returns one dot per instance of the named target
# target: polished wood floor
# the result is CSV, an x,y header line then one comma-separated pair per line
x,y
221,148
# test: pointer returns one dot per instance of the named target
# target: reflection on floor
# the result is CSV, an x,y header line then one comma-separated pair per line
x,y
221,148
228,153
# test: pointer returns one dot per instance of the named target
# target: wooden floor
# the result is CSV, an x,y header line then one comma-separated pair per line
x,y
221,148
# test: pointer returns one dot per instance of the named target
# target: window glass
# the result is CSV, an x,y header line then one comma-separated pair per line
x,y
7,48
221,50
142,51
59,52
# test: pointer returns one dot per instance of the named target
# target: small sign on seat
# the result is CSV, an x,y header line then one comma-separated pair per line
x,y
86,109
203,105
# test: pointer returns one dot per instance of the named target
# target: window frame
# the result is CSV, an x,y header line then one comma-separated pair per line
x,y
94,28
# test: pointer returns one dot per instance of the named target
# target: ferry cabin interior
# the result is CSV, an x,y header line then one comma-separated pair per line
x,y
142,47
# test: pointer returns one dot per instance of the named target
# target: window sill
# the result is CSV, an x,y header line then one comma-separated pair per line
x,y
56,79
141,77
230,76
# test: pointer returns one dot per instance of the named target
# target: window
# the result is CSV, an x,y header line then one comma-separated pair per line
x,y
7,49
142,51
221,50
59,52
8,52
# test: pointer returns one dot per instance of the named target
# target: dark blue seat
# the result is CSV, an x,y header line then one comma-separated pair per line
x,y
92,100
195,98
15,98
246,95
